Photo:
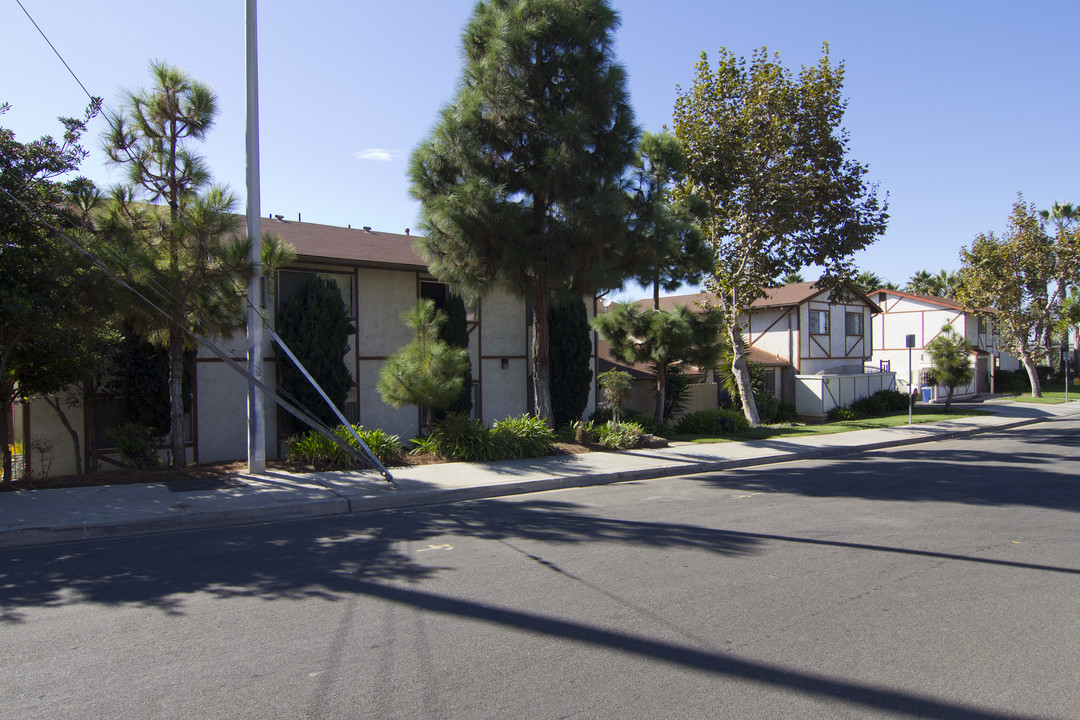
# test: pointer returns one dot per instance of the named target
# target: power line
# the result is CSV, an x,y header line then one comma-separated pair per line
x,y
293,407
43,35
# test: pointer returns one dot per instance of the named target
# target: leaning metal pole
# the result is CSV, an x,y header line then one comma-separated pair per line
x,y
255,419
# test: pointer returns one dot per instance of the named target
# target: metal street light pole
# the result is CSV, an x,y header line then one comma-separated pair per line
x,y
256,421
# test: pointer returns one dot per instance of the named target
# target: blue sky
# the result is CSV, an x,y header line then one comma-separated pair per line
x,y
955,106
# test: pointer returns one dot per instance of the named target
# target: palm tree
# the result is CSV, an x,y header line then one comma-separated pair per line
x,y
943,284
868,281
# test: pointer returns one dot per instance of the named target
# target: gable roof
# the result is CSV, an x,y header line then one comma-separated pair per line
x,y
328,243
790,295
932,299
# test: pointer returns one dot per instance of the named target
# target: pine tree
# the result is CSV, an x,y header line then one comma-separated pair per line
x,y
427,372
521,182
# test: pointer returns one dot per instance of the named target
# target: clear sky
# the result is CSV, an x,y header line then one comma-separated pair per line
x,y
955,105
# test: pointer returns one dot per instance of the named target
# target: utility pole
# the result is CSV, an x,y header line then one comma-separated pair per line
x,y
910,342
255,418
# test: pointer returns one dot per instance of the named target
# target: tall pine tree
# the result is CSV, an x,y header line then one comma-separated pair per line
x,y
521,180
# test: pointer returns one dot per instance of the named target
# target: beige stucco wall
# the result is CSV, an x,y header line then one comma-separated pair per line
x,y
503,325
383,296
221,412
48,432
774,330
505,389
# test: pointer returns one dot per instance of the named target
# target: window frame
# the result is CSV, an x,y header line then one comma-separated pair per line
x,y
861,322
825,314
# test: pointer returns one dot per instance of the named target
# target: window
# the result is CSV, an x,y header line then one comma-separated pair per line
x,y
819,322
982,326
289,280
853,323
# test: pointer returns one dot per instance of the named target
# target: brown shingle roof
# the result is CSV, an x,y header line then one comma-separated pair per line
x,y
314,242
783,296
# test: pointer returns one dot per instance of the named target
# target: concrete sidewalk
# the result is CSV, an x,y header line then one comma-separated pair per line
x,y
31,517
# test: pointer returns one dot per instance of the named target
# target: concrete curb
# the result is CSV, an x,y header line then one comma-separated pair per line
x,y
193,520
436,497
332,502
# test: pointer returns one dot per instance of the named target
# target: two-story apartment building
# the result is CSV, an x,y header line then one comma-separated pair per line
x,y
815,347
380,276
925,317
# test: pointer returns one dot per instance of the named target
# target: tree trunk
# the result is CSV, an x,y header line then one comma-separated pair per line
x,y
90,428
1033,375
176,397
661,394
7,401
541,372
55,405
741,371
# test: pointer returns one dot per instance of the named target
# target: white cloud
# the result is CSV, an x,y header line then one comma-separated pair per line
x,y
377,154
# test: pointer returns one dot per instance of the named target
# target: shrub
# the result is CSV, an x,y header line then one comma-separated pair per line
x,y
623,436
701,422
458,438
786,413
520,437
319,451
867,406
584,432
1006,381
894,400
767,406
314,323
839,414
136,445
569,352
604,415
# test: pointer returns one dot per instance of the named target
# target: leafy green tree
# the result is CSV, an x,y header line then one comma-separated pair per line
x,y
521,181
767,153
670,244
791,278
616,387
188,256
1022,276
950,362
569,355
427,372
46,292
663,339
314,324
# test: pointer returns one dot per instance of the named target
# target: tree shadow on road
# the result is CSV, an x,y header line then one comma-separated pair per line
x,y
314,558
984,472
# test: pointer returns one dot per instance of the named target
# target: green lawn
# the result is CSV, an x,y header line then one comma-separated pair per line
x,y
1053,394
766,432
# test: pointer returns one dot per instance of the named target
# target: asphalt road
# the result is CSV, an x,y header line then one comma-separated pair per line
x,y
932,581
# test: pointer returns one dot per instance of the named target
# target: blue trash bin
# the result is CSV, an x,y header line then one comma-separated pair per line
x,y
927,393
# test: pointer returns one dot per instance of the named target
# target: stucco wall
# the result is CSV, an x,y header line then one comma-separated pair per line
x,y
221,413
